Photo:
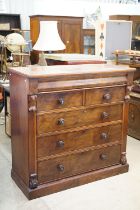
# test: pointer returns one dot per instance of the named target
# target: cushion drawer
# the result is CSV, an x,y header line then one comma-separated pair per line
x,y
105,95
58,100
50,122
65,166
57,144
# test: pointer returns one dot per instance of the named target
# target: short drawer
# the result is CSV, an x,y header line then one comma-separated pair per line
x,y
51,122
70,141
66,166
59,100
105,95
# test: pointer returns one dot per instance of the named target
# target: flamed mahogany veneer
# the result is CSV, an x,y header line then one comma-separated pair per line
x,y
69,125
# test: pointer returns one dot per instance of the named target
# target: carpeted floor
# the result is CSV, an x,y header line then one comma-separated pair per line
x,y
120,192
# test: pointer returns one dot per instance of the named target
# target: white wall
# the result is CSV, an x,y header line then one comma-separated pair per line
x,y
22,7
82,7
67,7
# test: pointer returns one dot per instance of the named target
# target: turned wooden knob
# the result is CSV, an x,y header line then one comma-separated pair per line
x,y
107,96
104,136
60,143
104,115
32,109
132,116
61,101
61,121
60,167
103,156
127,97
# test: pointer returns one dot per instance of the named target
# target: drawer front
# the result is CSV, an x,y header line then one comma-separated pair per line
x,y
65,166
59,100
57,144
105,95
50,122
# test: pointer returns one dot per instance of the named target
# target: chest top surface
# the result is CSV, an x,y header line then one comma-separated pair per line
x,y
69,70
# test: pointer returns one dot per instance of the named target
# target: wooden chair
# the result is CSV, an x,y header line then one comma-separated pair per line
x,y
1,108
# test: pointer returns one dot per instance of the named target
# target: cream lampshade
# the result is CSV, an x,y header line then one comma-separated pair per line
x,y
48,40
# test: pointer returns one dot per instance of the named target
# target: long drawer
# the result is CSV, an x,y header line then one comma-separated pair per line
x,y
49,122
66,166
57,144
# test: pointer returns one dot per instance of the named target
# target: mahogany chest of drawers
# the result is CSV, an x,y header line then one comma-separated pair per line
x,y
69,125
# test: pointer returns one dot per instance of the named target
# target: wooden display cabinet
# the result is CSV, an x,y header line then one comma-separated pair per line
x,y
69,28
89,41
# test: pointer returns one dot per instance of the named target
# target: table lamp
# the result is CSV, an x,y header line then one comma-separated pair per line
x,y
48,40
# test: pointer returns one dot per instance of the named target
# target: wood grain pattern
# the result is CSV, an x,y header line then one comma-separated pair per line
x,y
105,95
70,141
50,170
134,118
75,125
59,100
52,121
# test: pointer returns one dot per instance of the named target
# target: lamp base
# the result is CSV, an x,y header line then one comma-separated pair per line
x,y
42,61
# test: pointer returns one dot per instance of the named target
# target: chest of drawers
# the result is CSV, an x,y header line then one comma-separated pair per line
x,y
69,125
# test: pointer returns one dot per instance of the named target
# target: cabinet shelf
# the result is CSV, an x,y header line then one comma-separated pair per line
x,y
89,41
13,20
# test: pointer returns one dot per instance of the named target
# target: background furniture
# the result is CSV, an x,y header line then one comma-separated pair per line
x,y
134,115
89,41
75,125
129,57
135,28
134,104
72,59
8,24
7,111
1,106
111,35
14,23
5,102
69,28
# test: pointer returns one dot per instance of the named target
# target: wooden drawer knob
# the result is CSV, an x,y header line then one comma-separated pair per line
x,y
107,96
60,143
132,116
104,136
61,101
60,167
32,109
103,157
104,115
61,121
